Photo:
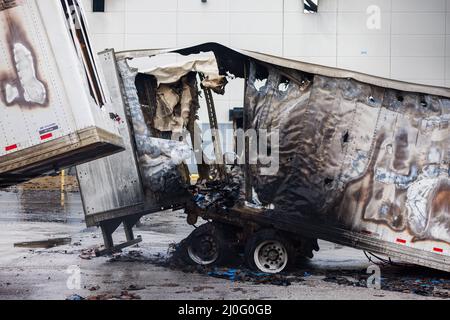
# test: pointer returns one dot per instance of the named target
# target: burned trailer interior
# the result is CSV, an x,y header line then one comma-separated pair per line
x,y
321,153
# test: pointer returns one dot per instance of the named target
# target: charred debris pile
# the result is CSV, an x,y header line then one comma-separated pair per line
x,y
163,107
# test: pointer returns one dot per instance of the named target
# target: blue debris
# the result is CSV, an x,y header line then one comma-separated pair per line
x,y
75,297
199,197
247,275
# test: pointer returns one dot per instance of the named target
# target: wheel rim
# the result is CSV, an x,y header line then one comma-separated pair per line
x,y
203,250
271,256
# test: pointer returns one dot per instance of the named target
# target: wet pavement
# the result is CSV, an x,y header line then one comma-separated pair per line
x,y
147,271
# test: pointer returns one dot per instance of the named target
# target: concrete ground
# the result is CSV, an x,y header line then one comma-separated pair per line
x,y
60,272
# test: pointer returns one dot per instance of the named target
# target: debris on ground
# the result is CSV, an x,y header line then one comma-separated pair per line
x,y
129,256
75,297
429,286
134,287
253,277
424,287
87,254
94,288
239,290
345,281
173,261
202,288
124,295
424,282
46,244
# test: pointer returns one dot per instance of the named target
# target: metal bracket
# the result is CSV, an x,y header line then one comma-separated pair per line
x,y
109,227
117,248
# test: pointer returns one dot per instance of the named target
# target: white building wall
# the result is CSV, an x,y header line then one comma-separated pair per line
x,y
412,43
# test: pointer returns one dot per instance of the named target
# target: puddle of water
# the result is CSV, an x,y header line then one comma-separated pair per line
x,y
40,206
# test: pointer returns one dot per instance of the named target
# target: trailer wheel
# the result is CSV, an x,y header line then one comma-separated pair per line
x,y
207,245
268,252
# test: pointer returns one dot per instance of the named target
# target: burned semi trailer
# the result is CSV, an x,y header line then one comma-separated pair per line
x,y
346,157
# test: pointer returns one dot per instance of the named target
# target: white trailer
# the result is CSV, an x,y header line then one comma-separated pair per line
x,y
55,110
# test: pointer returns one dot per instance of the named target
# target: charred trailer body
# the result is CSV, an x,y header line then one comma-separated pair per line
x,y
349,158
151,174
54,105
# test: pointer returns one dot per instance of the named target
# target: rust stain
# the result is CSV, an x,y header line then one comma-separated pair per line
x,y
379,194
401,150
357,194
391,215
368,190
17,34
441,200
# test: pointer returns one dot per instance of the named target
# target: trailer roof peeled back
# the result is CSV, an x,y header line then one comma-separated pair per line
x,y
55,110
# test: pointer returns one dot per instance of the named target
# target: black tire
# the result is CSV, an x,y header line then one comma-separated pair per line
x,y
208,245
306,248
269,252
180,255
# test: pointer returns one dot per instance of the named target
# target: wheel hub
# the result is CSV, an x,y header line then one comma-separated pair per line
x,y
207,246
204,250
271,256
